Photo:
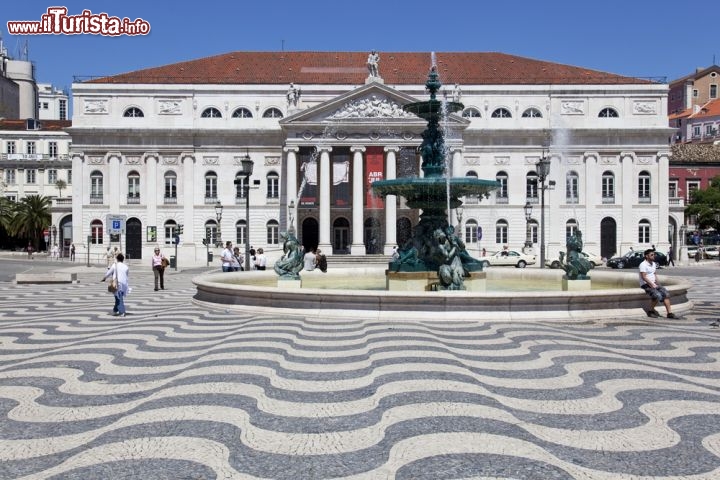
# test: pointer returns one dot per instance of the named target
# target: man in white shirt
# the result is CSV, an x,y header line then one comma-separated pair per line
x,y
651,285
119,271
226,257
309,261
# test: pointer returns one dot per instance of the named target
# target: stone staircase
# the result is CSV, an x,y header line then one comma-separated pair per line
x,y
358,260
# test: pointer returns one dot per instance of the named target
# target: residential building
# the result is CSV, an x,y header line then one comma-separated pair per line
x,y
163,146
694,90
53,103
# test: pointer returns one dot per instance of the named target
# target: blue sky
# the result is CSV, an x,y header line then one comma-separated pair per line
x,y
632,37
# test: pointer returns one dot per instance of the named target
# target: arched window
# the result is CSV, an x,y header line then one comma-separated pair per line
x,y
211,193
644,187
242,112
96,232
96,187
531,187
170,228
501,113
133,112
572,187
211,112
471,231
608,113
240,188
240,232
644,231
211,232
273,232
532,113
534,229
501,232
133,179
571,227
273,185
608,187
170,187
272,113
471,112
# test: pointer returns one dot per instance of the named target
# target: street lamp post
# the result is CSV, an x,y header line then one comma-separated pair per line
x,y
244,178
218,215
528,216
543,170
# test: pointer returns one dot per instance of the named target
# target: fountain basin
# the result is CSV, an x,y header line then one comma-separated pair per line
x,y
256,292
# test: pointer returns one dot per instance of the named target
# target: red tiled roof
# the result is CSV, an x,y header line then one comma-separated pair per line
x,y
685,113
710,109
45,125
349,68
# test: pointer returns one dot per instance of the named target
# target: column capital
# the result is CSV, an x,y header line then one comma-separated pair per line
x,y
392,148
357,149
663,153
324,148
457,149
628,154
111,155
80,155
187,155
589,155
148,155
291,148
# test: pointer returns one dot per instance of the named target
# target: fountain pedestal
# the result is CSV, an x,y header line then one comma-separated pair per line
x,y
289,284
426,281
575,285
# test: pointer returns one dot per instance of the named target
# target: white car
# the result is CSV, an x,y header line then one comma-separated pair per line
x,y
591,257
508,257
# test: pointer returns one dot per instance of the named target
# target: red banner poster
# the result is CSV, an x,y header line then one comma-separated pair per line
x,y
374,171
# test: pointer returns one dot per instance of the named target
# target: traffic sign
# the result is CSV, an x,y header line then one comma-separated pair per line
x,y
116,224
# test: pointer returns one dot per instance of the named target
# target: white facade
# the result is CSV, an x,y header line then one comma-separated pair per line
x,y
53,103
171,165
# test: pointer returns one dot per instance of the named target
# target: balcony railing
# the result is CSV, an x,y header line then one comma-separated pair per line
x,y
96,199
502,200
133,199
170,200
63,202
38,157
211,200
572,200
239,200
644,200
677,201
608,200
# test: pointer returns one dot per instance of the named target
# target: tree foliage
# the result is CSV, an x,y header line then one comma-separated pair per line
x,y
29,217
705,204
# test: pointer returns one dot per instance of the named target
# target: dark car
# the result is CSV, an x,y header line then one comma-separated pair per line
x,y
634,259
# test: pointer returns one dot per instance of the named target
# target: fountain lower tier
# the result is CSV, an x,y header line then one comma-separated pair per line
x,y
256,292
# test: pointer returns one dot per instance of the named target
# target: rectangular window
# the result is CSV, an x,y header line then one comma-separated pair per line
x,y
62,109
691,186
170,187
211,233
713,91
69,177
673,189
531,189
30,147
608,189
501,234
211,186
696,131
572,189
534,233
10,147
52,176
273,234
502,192
644,188
96,233
10,176
471,233
644,233
273,189
240,234
170,233
53,149
695,93
30,175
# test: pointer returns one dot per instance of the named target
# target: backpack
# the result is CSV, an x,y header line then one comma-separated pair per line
x,y
322,263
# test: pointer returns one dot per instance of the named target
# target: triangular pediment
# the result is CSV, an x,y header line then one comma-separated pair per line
x,y
371,103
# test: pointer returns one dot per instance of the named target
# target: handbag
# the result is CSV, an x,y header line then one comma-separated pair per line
x,y
113,285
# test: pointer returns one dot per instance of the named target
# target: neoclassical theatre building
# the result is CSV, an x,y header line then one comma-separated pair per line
x,y
163,147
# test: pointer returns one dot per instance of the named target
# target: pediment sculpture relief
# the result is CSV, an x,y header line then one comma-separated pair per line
x,y
372,107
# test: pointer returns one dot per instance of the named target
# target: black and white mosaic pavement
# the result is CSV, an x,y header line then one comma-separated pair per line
x,y
173,391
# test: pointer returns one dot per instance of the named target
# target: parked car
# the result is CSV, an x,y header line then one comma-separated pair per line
x,y
508,257
633,259
591,257
707,252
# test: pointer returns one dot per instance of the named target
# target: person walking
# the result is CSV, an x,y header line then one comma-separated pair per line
x,y
260,260
72,252
226,257
158,262
109,257
671,256
120,272
651,285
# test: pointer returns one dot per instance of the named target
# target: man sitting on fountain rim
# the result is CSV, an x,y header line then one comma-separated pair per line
x,y
649,283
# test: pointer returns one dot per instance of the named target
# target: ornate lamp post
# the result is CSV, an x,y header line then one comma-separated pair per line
x,y
243,177
528,215
543,170
218,215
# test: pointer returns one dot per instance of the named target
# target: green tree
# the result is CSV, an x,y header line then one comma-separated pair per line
x,y
705,204
61,185
31,216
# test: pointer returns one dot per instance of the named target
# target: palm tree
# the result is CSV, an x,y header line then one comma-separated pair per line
x,y
61,184
31,216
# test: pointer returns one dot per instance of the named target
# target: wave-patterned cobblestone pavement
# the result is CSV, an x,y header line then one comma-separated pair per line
x,y
176,392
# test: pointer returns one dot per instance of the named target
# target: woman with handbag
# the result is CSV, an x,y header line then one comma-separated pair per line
x,y
158,263
119,284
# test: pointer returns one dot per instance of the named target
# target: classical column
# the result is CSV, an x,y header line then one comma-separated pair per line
x,y
80,228
324,181
151,197
291,184
390,202
358,202
188,195
114,181
627,230
592,196
662,243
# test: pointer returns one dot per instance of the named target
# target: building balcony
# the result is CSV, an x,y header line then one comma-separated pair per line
x,y
211,200
170,200
38,157
644,200
608,200
572,200
96,199
676,201
133,199
239,200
